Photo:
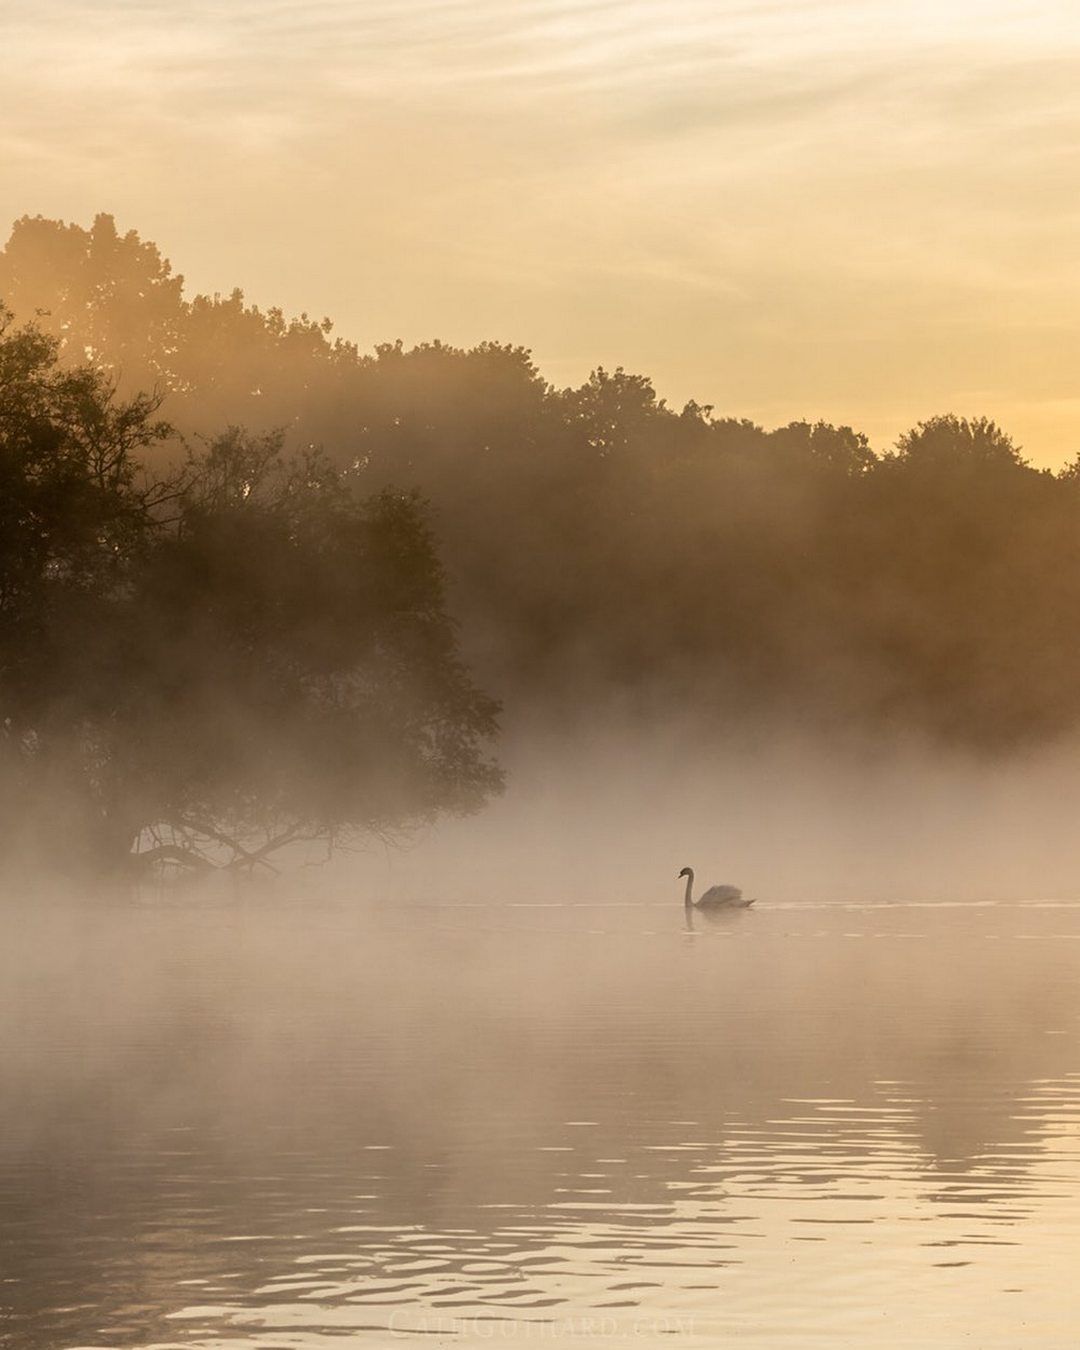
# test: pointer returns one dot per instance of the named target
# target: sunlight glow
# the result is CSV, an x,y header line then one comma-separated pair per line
x,y
854,209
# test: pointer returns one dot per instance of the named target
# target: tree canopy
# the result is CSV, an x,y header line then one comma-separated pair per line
x,y
210,663
599,542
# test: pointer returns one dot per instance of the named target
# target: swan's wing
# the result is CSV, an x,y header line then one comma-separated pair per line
x,y
721,895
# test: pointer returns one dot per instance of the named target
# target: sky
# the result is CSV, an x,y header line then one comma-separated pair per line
x,y
866,211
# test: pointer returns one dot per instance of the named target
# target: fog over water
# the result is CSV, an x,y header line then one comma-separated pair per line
x,y
607,812
499,1086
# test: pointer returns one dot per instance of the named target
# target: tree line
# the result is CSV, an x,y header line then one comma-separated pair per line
x,y
596,542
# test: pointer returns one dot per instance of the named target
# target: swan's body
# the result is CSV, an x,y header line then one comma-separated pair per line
x,y
716,897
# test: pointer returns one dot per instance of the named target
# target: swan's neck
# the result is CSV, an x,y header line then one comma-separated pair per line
x,y
689,888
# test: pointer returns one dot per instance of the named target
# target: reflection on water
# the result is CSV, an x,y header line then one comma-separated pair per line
x,y
567,1124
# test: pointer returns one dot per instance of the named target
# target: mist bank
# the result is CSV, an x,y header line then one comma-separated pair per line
x,y
607,814
231,1021
270,1124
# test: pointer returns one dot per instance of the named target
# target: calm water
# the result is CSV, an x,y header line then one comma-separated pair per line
x,y
572,1124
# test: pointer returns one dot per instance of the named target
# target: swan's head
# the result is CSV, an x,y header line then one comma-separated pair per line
x,y
687,872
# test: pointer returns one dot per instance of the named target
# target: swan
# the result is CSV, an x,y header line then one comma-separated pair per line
x,y
716,897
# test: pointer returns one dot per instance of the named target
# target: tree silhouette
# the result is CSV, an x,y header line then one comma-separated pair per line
x,y
209,665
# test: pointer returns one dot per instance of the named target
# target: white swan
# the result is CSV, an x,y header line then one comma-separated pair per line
x,y
716,897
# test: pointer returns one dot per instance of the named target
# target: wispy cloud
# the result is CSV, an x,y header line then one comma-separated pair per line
x,y
680,184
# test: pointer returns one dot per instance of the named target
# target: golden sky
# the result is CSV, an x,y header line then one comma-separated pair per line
x,y
866,211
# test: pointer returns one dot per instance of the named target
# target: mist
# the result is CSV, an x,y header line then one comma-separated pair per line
x,y
360,713
608,814
239,1119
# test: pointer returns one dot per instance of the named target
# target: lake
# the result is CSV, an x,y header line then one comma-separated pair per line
x,y
255,1126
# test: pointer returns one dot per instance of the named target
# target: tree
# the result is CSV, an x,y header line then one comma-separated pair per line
x,y
303,680
948,444
112,299
209,666
108,298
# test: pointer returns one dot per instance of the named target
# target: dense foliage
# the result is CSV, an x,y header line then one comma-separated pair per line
x,y
599,542
207,664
